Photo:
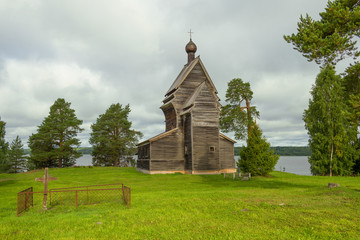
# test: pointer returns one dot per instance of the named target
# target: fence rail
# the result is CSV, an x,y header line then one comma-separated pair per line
x,y
24,200
77,196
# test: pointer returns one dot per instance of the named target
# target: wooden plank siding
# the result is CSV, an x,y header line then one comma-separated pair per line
x,y
227,154
206,131
206,148
187,88
167,153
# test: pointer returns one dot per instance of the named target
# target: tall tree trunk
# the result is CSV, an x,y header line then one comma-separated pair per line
x,y
331,157
116,162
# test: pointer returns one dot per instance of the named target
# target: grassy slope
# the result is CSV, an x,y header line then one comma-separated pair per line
x,y
284,206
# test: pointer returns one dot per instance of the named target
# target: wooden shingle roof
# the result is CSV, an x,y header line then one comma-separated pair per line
x,y
185,72
227,138
157,137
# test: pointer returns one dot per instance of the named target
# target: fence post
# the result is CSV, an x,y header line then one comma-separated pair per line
x,y
87,200
17,212
123,191
32,196
129,197
50,195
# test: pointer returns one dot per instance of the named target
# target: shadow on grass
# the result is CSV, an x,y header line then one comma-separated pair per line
x,y
256,182
5,182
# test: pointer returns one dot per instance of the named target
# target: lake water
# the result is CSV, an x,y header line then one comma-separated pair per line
x,y
292,164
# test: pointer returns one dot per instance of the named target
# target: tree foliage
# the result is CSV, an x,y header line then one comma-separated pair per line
x,y
55,143
234,116
332,138
257,158
327,41
4,164
113,140
16,156
331,38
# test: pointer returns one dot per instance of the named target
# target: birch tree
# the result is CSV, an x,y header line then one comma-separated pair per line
x,y
330,133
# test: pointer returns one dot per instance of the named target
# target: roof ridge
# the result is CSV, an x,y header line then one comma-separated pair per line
x,y
182,75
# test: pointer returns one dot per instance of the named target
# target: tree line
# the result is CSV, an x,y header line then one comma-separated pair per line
x,y
283,151
55,143
332,118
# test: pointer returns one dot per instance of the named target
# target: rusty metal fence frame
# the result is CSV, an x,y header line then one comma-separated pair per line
x,y
127,195
24,200
82,195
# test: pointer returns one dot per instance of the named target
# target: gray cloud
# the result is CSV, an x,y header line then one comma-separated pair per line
x,y
131,51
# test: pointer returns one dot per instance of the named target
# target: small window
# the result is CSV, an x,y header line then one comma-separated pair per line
x,y
212,149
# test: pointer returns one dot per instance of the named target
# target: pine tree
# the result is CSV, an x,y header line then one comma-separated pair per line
x,y
257,158
234,116
16,156
55,142
113,140
331,38
4,165
331,136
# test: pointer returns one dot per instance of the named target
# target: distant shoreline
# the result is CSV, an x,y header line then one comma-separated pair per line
x,y
284,151
280,150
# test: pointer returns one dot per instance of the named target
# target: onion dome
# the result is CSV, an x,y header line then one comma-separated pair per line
x,y
190,47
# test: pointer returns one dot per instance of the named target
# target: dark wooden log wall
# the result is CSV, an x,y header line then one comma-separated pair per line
x,y
167,153
170,117
188,142
227,160
143,161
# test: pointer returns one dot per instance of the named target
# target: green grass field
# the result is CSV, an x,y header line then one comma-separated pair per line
x,y
175,206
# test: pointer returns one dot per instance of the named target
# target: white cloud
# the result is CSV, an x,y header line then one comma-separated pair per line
x,y
95,53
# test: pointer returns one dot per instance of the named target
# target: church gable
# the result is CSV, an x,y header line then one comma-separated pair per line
x,y
205,110
188,89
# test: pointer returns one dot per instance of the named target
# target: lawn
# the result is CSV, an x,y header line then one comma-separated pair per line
x,y
176,206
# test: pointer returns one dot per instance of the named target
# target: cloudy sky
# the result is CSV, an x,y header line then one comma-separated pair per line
x,y
95,53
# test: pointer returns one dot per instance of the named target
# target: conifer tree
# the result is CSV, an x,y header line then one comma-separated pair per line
x,y
331,136
331,38
55,143
16,156
257,158
4,165
236,116
112,139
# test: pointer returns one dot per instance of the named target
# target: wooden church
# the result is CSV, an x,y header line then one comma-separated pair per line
x,y
191,143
